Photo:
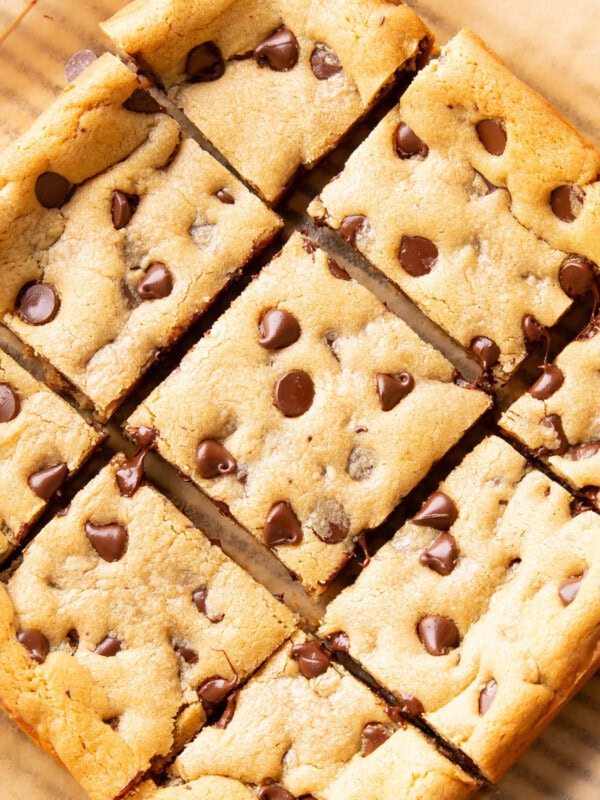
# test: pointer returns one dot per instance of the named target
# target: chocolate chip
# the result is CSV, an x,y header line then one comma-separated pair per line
x,y
418,255
294,393
279,52
35,643
395,714
361,463
339,641
78,62
278,329
214,460
374,735
123,208
393,388
442,555
205,63
329,521
46,482
9,403
487,696
533,330
577,276
313,659
324,62
438,511
130,474
38,303
199,600
337,271
554,422
72,638
408,144
187,654
412,704
52,190
274,792
109,541
156,283
583,451
109,647
492,135
225,197
142,102
353,225
282,526
308,246
566,202
438,634
568,589
486,351
227,715
214,690
549,382
143,436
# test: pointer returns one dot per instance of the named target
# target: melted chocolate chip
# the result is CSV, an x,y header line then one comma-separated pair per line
x,y
78,62
214,460
38,303
46,482
412,704
408,144
337,271
279,52
123,208
52,190
214,690
583,451
199,600
324,62
374,735
313,659
156,283
351,226
487,696
492,135
393,388
577,276
282,526
329,521
205,63
278,329
9,403
131,473
442,555
143,436
439,635
395,714
35,643
228,713
225,197
340,643
294,393
418,255
438,511
274,792
109,647
568,589
549,382
533,330
555,422
142,102
109,541
486,351
566,202
187,654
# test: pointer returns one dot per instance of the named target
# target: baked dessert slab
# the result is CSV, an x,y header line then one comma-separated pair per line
x,y
319,411
492,588
42,441
472,195
115,232
557,418
274,84
122,629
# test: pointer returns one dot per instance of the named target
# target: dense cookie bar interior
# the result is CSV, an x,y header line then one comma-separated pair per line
x,y
492,586
319,410
274,84
477,199
116,232
122,630
42,441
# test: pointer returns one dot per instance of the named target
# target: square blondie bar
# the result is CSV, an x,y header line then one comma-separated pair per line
x,y
274,84
310,410
115,232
